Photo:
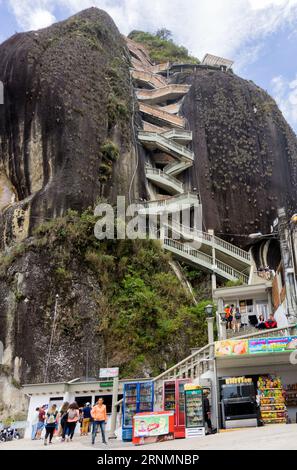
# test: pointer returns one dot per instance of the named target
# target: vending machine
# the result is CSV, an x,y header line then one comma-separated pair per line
x,y
195,425
138,398
174,400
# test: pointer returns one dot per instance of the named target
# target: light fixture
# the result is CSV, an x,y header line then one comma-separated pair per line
x,y
209,311
255,235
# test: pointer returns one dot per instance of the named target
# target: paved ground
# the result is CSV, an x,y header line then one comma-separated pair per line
x,y
278,437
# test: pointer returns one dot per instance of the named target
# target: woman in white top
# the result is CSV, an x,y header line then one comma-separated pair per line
x,y
34,423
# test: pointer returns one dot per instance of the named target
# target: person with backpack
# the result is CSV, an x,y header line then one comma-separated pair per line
x,y
236,320
72,419
86,419
50,423
229,316
63,420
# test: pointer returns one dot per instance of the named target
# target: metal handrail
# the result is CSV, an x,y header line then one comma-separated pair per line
x,y
198,234
270,333
194,253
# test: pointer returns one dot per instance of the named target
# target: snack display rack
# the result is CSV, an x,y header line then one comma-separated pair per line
x,y
272,400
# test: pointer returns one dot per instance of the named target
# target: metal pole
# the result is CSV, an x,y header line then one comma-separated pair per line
x,y
216,393
115,392
87,366
51,340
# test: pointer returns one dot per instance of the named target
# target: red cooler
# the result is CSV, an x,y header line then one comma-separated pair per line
x,y
174,400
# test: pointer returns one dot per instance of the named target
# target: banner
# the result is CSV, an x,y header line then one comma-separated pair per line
x,y
109,372
271,345
233,347
151,425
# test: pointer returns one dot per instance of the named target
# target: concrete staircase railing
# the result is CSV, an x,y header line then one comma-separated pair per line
x,y
162,116
212,240
200,259
146,77
159,95
177,167
165,144
171,204
178,134
165,181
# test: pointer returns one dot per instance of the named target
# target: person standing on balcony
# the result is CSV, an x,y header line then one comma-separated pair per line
x,y
236,324
228,317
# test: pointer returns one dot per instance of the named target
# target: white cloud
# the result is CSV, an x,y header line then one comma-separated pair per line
x,y
285,94
34,14
232,28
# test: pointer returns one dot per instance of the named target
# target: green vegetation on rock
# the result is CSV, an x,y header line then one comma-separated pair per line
x,y
162,48
133,306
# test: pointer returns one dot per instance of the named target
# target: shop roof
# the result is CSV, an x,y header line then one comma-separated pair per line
x,y
217,61
228,293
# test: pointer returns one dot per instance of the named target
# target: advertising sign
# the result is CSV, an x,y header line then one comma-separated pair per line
x,y
255,346
231,347
151,425
270,345
109,372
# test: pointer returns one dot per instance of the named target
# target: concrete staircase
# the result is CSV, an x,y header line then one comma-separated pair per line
x,y
196,257
165,136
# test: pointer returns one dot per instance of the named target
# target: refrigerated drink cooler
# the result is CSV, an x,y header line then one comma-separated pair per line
x,y
174,400
239,406
138,398
195,425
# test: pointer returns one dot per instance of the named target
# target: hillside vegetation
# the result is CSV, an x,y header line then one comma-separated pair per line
x,y
117,298
162,48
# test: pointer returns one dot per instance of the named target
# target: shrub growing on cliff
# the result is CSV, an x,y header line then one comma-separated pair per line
x,y
162,48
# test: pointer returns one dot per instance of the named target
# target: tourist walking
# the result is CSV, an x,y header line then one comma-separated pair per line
x,y
50,423
40,424
63,419
86,419
72,419
34,423
99,416
236,320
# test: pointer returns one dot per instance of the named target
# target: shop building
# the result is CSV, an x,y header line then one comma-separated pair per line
x,y
252,300
77,390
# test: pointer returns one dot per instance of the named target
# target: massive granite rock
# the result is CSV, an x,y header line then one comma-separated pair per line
x,y
66,126
245,153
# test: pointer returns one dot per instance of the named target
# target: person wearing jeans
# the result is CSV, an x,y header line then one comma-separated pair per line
x,y
99,416
72,419
34,424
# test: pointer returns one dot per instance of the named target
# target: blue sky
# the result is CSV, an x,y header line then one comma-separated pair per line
x,y
260,35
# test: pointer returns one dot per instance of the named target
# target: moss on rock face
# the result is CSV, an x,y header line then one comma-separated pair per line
x,y
68,91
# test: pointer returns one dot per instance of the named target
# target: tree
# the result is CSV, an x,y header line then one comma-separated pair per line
x,y
164,33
